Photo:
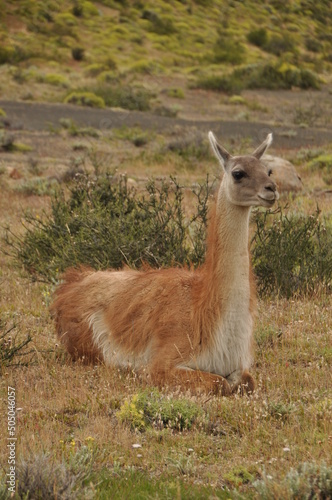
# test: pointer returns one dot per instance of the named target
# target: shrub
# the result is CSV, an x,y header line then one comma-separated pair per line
x,y
7,54
7,141
291,254
64,24
256,76
313,44
38,187
85,99
228,50
169,111
279,44
77,9
237,100
219,83
160,25
308,481
257,37
103,224
323,163
276,76
75,131
306,116
39,477
151,408
144,66
124,96
133,134
176,92
12,351
193,146
94,69
89,9
57,80
77,53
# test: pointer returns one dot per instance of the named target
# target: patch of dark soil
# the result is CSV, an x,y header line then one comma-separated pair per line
x,y
40,116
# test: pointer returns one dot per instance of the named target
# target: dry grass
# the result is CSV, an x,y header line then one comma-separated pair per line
x,y
66,408
288,420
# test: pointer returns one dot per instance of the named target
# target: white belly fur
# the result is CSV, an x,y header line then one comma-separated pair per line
x,y
112,353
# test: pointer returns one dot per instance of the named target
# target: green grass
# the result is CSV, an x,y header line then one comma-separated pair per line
x,y
137,485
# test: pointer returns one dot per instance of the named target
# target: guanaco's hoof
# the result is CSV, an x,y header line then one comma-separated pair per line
x,y
246,385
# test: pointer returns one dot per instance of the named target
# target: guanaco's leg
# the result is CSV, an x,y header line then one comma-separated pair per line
x,y
194,380
246,385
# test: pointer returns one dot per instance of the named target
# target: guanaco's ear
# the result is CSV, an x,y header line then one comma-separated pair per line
x,y
258,153
220,152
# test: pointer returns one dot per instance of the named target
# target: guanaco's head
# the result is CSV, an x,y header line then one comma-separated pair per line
x,y
247,180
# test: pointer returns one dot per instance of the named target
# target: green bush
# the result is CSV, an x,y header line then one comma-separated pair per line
x,y
160,25
323,163
271,76
308,481
228,50
123,96
193,146
64,24
85,99
291,254
133,134
37,187
275,76
57,80
95,69
151,408
219,83
77,53
278,44
105,224
7,54
257,37
176,92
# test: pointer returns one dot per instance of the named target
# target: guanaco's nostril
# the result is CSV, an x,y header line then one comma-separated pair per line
x,y
271,187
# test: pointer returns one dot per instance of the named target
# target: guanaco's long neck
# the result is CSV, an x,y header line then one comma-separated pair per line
x,y
225,278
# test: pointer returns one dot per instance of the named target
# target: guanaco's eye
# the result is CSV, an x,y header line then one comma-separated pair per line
x,y
238,175
270,172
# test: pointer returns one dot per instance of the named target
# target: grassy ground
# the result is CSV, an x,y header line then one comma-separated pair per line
x,y
72,412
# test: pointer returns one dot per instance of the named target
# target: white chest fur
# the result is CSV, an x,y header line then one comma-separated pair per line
x,y
229,351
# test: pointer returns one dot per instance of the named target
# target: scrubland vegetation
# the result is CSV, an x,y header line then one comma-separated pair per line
x,y
114,53
75,194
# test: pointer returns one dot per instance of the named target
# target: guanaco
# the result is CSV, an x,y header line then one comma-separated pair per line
x,y
184,327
